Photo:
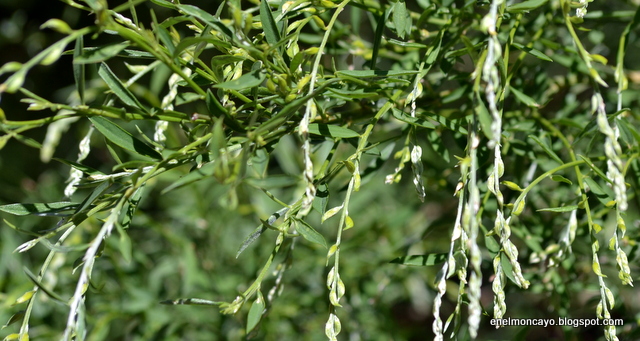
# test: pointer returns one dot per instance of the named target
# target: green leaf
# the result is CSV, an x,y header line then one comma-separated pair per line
x,y
375,73
84,169
377,37
251,238
269,24
216,109
401,19
485,119
191,301
528,101
309,233
86,203
117,87
330,213
629,132
406,44
197,174
245,81
547,149
79,69
595,168
44,209
92,55
512,185
206,17
560,178
331,130
536,53
225,59
14,318
526,6
126,248
123,138
559,209
46,290
507,267
604,194
596,269
357,93
421,260
404,117
256,310
273,181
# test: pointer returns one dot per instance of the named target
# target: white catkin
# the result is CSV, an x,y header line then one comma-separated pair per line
x,y
416,166
582,11
441,281
75,175
83,281
167,104
615,168
471,225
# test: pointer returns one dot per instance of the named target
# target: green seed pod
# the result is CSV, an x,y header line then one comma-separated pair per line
x,y
319,22
303,82
290,98
271,86
282,83
248,23
327,4
519,208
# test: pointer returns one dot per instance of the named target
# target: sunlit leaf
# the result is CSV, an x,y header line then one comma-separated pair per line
x,y
54,208
269,26
92,55
117,87
559,209
123,138
248,80
255,313
331,130
309,233
526,6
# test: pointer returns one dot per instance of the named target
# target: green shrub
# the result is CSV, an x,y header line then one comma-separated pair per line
x,y
480,141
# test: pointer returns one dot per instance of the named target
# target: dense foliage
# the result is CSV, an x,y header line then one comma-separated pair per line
x,y
414,169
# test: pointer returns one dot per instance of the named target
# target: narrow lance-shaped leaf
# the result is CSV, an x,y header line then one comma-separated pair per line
x,y
255,312
559,209
401,19
375,73
245,81
206,17
78,69
269,24
331,130
84,169
416,121
14,318
528,101
526,6
309,233
421,260
123,138
117,87
536,53
46,290
53,208
603,193
546,148
97,54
